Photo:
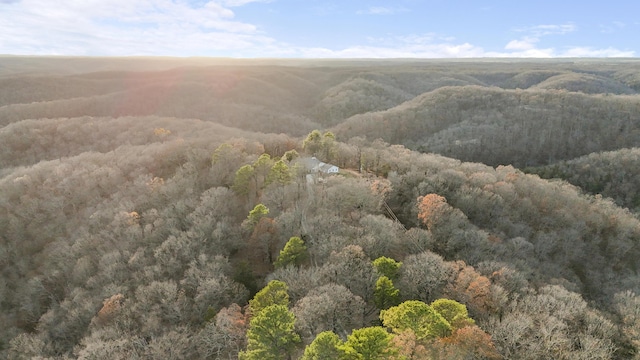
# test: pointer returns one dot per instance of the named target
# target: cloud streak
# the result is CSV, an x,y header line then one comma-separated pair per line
x,y
535,33
612,28
549,29
432,45
381,10
233,3
527,45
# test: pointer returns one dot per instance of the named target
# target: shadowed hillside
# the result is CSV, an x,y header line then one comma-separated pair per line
x,y
495,126
528,79
585,83
614,174
373,91
267,100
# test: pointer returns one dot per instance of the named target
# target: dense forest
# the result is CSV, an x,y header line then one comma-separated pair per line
x,y
165,209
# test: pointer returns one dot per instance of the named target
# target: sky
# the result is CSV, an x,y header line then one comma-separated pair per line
x,y
321,28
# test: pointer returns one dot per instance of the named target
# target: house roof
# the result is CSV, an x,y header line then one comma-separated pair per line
x,y
310,162
313,164
326,167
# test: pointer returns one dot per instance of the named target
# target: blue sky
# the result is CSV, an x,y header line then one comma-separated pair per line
x,y
321,28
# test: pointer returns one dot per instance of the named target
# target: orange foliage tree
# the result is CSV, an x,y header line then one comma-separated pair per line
x,y
475,290
431,209
469,342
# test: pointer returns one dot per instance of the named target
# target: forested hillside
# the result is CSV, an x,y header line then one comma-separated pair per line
x,y
614,174
497,126
172,213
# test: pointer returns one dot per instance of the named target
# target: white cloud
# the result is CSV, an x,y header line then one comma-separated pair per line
x,y
432,45
381,10
410,46
534,52
126,27
241,2
549,29
370,52
421,39
612,28
590,52
524,53
526,43
527,46
435,46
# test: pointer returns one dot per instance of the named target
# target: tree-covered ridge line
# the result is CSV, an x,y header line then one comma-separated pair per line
x,y
28,142
612,174
519,113
500,127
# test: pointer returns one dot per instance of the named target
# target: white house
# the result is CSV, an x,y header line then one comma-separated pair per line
x,y
328,169
314,165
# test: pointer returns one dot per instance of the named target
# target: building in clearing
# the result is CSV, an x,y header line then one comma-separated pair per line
x,y
316,166
328,169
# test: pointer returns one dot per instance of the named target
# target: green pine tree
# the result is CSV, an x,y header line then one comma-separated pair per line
x,y
387,267
271,335
385,295
294,253
259,211
454,312
275,293
242,181
368,343
279,173
417,316
324,347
